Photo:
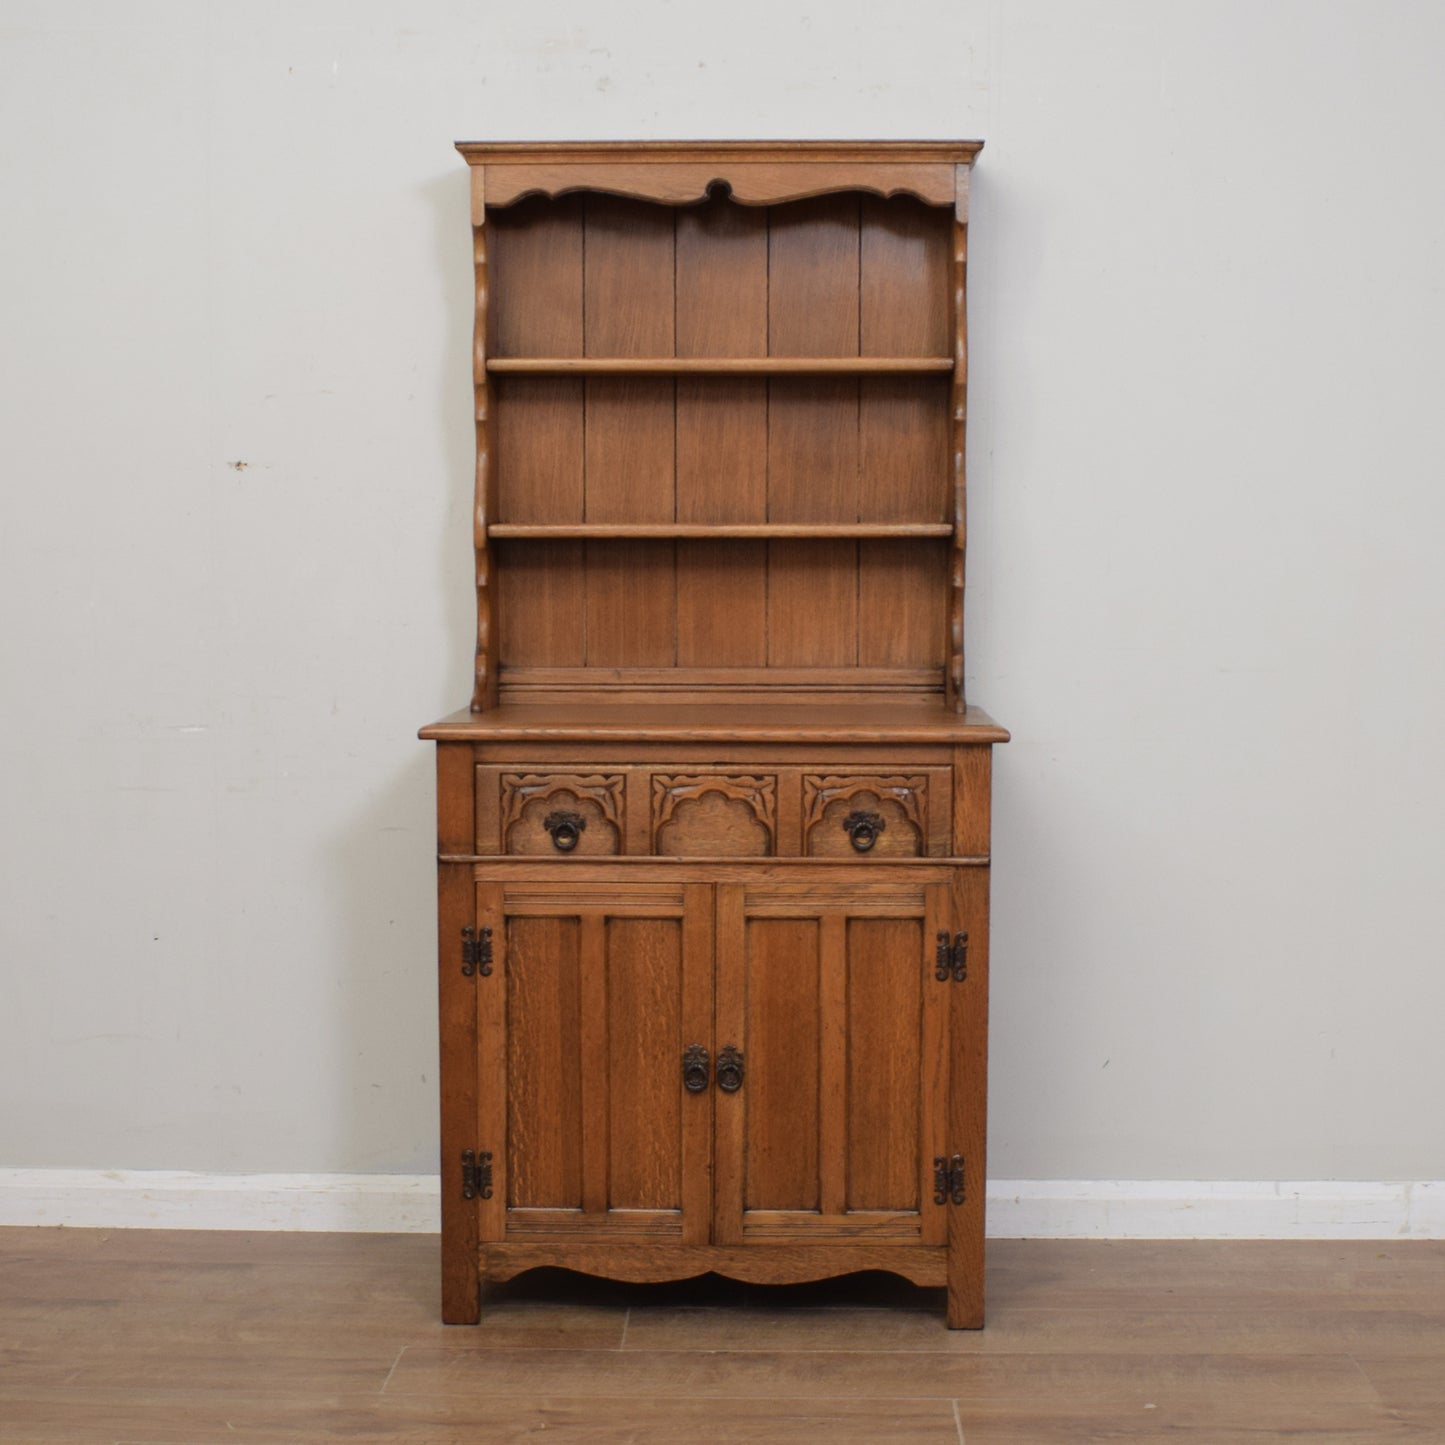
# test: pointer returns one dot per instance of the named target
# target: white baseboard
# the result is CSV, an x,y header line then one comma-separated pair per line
x,y
1215,1209
173,1199
1017,1208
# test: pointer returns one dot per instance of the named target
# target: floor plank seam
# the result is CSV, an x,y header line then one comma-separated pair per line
x,y
958,1422
626,1320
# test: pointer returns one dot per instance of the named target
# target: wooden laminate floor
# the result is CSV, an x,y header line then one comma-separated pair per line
x,y
131,1335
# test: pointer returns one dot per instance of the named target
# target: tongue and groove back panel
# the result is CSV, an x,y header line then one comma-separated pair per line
x,y
597,276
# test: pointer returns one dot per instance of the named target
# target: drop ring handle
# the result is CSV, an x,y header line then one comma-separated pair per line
x,y
863,829
565,828
730,1068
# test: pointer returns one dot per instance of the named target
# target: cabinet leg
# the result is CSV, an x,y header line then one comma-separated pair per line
x,y
965,1304
965,1310
461,1287
965,1282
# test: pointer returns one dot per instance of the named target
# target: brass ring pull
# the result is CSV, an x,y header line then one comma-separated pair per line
x,y
863,829
565,828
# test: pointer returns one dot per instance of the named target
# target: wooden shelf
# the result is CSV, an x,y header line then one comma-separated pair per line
x,y
720,365
602,531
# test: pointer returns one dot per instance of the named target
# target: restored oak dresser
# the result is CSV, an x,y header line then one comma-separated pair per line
x,y
713,835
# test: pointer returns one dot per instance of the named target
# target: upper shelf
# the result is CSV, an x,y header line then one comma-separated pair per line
x,y
720,365
604,531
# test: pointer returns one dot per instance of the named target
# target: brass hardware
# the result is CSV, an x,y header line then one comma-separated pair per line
x,y
694,1068
948,1179
476,1174
951,958
565,828
477,951
863,829
730,1068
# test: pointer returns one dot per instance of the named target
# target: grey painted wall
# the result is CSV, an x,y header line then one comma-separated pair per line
x,y
1206,589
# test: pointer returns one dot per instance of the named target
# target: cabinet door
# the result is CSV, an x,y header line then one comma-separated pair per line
x,y
829,991
595,994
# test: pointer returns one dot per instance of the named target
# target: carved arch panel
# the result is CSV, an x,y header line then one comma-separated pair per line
x,y
884,817
723,814
562,813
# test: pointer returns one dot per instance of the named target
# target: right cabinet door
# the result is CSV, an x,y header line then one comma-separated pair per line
x,y
829,1125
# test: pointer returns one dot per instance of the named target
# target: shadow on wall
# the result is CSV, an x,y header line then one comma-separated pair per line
x,y
450,200
383,862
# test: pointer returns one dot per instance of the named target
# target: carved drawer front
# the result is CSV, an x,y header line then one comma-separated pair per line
x,y
892,815
560,814
732,815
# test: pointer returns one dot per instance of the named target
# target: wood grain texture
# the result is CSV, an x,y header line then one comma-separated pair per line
x,y
738,687
731,814
968,1102
790,1262
455,797
644,1052
854,152
812,604
491,1115
888,719
543,590
529,800
722,434
537,269
191,1336
904,294
711,531
539,436
757,184
628,299
697,1129
883,1067
781,1044
542,968
631,604
589,1075
959,426
834,1044
899,802
484,502
538,429
722,366
813,433
630,449
935,1062
972,799
730,1019
457,1017
722,619
719,535
902,611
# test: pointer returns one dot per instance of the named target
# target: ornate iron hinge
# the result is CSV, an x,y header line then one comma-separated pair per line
x,y
476,951
948,1179
476,1174
951,960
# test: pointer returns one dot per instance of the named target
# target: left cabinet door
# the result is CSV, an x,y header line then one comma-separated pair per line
x,y
597,993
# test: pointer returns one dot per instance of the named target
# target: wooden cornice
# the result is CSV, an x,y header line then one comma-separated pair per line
x,y
755,173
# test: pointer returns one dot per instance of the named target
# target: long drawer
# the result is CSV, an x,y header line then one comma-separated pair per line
x,y
786,811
